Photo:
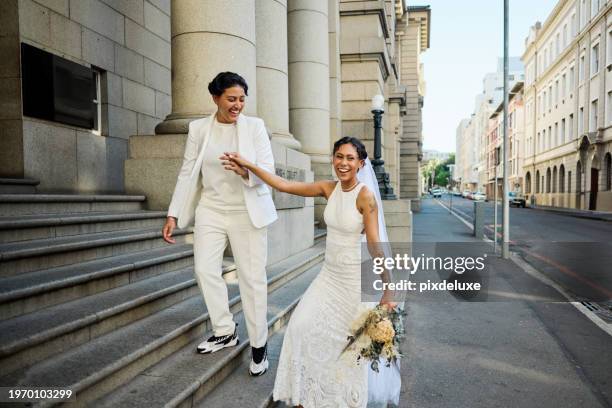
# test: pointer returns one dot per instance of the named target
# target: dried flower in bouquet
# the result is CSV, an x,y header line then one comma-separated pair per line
x,y
377,334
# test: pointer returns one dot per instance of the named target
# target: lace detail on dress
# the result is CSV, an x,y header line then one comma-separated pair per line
x,y
311,371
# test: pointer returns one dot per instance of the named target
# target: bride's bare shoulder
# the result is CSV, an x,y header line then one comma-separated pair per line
x,y
328,187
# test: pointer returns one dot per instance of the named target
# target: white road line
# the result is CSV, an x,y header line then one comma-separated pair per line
x,y
530,270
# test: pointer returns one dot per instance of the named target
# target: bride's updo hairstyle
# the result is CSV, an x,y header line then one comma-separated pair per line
x,y
361,150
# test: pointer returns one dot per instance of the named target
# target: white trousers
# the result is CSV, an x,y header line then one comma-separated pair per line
x,y
212,230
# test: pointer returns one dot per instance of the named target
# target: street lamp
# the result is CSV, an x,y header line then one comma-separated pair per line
x,y
386,191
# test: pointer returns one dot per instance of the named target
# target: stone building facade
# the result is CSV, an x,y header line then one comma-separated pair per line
x,y
312,67
568,104
125,44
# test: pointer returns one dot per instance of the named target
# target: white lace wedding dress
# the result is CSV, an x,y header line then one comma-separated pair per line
x,y
311,371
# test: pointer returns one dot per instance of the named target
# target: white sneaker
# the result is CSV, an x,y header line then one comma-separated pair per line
x,y
257,369
215,343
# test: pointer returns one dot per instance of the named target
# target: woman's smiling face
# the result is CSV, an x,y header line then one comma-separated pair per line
x,y
230,103
346,162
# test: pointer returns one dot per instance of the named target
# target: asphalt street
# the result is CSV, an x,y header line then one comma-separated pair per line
x,y
526,346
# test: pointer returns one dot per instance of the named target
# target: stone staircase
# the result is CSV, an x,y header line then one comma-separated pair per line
x,y
92,299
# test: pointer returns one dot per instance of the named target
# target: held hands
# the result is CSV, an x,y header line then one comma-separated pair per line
x,y
234,162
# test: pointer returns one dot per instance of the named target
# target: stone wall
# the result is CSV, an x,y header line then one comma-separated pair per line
x,y
129,42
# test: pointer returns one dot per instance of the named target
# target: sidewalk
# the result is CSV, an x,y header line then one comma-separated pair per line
x,y
497,353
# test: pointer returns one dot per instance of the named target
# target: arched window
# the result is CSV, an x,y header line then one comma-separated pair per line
x,y
562,179
528,183
548,180
554,180
538,182
608,171
578,177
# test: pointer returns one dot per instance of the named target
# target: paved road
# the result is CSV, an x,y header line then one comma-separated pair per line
x,y
574,252
519,353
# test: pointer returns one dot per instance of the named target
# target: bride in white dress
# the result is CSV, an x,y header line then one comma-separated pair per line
x,y
311,371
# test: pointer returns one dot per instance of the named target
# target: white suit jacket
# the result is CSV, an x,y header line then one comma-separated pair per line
x,y
253,145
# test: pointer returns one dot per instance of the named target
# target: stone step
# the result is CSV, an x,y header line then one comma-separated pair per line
x,y
239,389
104,363
34,255
28,227
27,339
33,291
185,377
319,234
18,185
23,204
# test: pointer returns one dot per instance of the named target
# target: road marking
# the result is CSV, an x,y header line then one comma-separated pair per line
x,y
530,270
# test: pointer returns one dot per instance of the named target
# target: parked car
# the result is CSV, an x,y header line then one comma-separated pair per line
x,y
479,196
436,192
516,199
457,193
466,193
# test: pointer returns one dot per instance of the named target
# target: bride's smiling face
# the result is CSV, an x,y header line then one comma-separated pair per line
x,y
346,162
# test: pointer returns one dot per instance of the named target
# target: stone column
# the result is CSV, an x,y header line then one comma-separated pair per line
x,y
335,89
309,77
208,37
309,92
272,76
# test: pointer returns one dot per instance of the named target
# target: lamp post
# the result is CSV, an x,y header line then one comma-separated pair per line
x,y
386,191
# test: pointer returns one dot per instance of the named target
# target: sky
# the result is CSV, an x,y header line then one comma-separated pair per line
x,y
466,40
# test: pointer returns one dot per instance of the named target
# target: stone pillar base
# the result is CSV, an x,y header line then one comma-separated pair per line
x,y
398,217
287,140
153,166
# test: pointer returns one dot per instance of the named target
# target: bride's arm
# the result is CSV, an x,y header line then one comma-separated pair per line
x,y
323,188
366,203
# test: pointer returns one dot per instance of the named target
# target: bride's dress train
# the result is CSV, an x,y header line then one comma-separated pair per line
x,y
311,371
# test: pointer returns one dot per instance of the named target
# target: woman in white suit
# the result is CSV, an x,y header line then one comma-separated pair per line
x,y
225,207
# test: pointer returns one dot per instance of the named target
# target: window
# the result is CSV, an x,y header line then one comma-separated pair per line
x,y
609,50
609,108
583,13
569,181
573,25
594,7
563,87
608,172
544,103
593,116
549,142
564,36
595,59
557,45
550,94
556,92
581,69
555,140
571,80
570,128
562,136
562,179
59,90
537,147
542,140
581,121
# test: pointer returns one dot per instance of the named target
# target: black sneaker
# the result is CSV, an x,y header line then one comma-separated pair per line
x,y
215,343
259,361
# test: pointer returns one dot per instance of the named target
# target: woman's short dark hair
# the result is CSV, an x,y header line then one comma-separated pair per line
x,y
225,80
361,150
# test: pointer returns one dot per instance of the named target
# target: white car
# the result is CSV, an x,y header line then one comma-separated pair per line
x,y
479,196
